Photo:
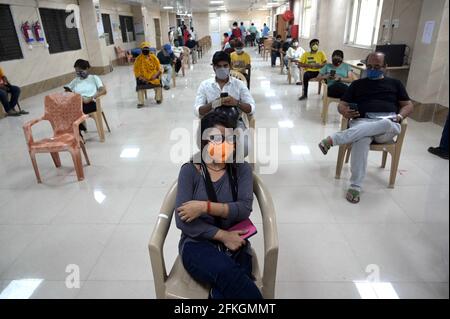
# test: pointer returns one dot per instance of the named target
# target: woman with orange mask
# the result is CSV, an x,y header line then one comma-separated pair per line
x,y
213,196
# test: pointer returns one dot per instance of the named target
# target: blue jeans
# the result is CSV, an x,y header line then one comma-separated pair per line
x,y
443,145
230,278
15,92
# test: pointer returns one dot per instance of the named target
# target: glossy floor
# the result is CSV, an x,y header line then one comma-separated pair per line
x,y
99,228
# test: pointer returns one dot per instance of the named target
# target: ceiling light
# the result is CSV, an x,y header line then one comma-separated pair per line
x,y
167,8
216,2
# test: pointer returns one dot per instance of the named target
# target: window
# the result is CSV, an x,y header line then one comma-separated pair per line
x,y
127,28
108,30
363,22
60,37
9,43
307,18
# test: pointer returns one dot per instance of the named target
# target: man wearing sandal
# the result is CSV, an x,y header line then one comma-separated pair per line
x,y
375,106
5,89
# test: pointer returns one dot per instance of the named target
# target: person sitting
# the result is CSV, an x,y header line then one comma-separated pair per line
x,y
166,58
89,86
312,61
293,54
178,52
364,102
231,45
214,195
285,46
226,38
192,45
241,61
337,74
238,95
276,50
442,149
7,88
147,70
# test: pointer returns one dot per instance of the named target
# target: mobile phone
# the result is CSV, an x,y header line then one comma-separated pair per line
x,y
332,73
223,94
67,89
353,106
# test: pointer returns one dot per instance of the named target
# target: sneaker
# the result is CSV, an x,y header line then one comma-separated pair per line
x,y
140,105
303,97
299,83
24,112
438,152
166,87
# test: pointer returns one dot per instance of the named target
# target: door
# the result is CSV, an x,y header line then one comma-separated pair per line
x,y
214,30
157,33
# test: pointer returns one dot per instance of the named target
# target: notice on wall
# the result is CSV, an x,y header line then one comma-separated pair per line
x,y
428,32
98,17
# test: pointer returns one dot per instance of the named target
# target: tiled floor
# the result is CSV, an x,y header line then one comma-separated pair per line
x,y
102,225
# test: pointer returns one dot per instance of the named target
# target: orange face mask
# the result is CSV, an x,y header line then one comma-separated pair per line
x,y
220,152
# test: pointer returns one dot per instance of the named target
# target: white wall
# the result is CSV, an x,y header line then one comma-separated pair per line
x,y
258,17
34,67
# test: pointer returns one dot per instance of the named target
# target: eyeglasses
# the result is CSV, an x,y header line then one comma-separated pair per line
x,y
218,138
374,67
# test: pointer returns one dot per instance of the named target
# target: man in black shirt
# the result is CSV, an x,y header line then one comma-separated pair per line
x,y
276,49
364,102
192,45
166,57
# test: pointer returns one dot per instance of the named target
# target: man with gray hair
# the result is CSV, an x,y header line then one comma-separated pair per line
x,y
375,106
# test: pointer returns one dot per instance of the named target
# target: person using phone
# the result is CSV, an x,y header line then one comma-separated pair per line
x,y
293,54
212,197
89,86
6,88
374,94
208,97
338,75
312,62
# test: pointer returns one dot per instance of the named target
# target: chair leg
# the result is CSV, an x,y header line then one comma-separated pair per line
x,y
158,95
145,94
56,159
141,97
325,110
394,168
99,124
76,157
83,148
106,122
347,156
35,167
383,159
320,88
340,160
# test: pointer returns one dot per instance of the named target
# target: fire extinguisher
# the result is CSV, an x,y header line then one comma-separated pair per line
x,y
38,32
27,34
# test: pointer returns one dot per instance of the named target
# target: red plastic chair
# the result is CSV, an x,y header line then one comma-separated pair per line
x,y
64,112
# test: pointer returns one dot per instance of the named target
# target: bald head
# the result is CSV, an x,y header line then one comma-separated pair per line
x,y
376,58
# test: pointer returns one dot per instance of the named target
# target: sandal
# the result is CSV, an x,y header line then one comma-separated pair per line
x,y
353,196
24,112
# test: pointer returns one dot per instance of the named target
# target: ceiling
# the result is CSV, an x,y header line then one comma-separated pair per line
x,y
190,6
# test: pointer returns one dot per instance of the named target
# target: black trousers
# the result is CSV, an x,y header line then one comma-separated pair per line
x,y
337,90
88,108
178,65
306,77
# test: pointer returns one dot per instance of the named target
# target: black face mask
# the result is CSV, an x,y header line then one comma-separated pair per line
x,y
145,52
336,61
82,74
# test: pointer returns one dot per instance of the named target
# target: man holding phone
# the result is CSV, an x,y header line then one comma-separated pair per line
x,y
364,97
210,94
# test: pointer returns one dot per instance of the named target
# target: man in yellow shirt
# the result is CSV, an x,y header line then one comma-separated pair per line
x,y
5,89
147,70
312,62
241,61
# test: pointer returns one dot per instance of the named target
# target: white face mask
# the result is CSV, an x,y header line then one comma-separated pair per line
x,y
295,44
222,73
239,51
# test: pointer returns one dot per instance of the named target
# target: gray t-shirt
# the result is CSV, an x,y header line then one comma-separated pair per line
x,y
191,186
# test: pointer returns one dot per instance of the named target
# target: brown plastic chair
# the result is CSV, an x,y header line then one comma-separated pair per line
x,y
179,284
267,48
393,149
123,56
64,111
142,93
99,116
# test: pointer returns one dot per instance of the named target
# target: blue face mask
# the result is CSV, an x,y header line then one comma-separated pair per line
x,y
374,74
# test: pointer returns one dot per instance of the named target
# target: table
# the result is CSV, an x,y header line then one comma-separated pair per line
x,y
362,68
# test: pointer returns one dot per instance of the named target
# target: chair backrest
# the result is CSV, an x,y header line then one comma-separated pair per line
x,y
270,234
62,110
238,75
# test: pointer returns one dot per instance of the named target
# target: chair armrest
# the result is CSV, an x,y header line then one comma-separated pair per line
x,y
76,127
270,237
27,129
344,123
157,239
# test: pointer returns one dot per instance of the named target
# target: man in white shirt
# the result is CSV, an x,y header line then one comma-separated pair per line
x,y
293,54
209,94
